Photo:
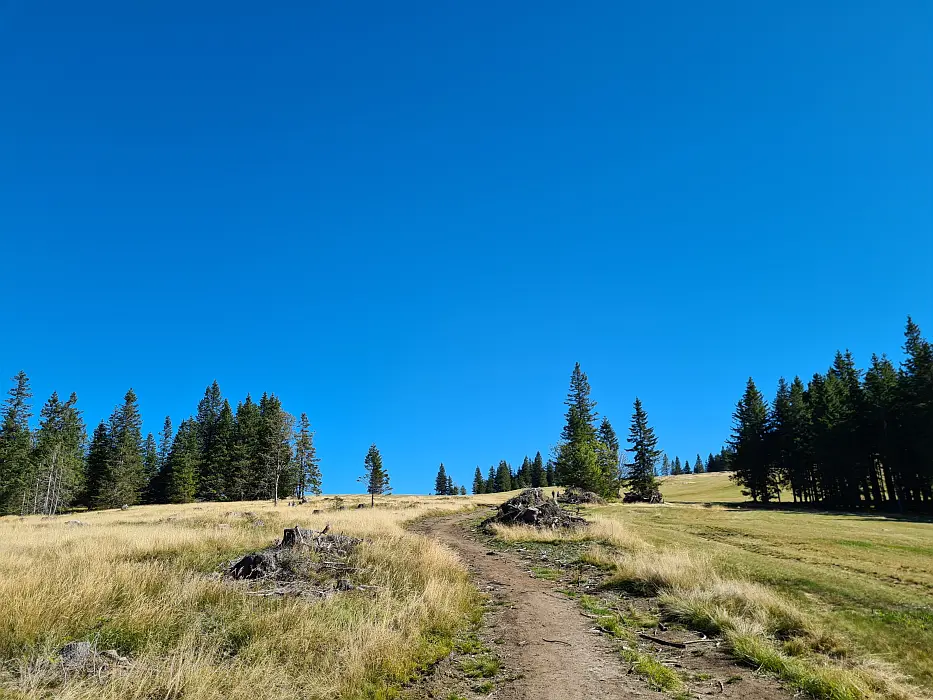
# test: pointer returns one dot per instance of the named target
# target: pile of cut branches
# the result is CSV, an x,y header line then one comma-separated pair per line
x,y
531,507
576,496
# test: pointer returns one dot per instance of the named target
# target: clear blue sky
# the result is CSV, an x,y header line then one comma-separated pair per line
x,y
409,219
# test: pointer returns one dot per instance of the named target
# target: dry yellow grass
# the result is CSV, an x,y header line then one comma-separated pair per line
x,y
144,582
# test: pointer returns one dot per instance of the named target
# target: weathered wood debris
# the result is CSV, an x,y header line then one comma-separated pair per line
x,y
532,507
304,562
575,496
650,497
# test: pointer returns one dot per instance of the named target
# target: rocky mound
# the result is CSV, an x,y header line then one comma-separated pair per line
x,y
531,507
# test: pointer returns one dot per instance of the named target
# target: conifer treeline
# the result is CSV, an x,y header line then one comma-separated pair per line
x,y
532,474
846,439
254,452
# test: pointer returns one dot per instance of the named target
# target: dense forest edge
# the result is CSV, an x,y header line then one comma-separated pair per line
x,y
847,439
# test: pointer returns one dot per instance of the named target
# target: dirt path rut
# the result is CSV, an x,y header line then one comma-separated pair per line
x,y
548,648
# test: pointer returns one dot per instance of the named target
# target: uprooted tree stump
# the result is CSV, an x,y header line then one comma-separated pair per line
x,y
576,496
647,497
531,507
304,562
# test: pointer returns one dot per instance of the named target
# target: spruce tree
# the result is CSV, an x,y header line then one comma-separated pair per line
x,y
183,463
16,447
276,432
698,465
479,484
749,440
524,474
676,469
211,477
125,480
151,468
608,460
223,453
306,461
463,491
538,475
645,454
710,463
440,481
57,473
879,422
577,462
503,478
376,477
665,465
451,489
491,480
98,465
550,472
245,480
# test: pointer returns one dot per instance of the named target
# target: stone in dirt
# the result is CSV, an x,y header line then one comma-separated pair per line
x,y
531,507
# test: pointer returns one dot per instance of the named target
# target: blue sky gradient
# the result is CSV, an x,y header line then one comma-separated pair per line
x,y
410,219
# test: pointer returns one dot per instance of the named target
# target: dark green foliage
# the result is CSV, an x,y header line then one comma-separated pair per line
x,y
750,426
479,484
440,481
845,440
698,467
245,481
587,457
276,432
463,491
665,465
16,458
538,475
306,460
124,478
183,463
686,466
98,460
151,468
503,477
57,463
645,454
550,472
491,480
676,468
376,477
211,477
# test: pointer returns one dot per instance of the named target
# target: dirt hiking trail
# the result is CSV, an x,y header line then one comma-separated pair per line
x,y
540,636
549,650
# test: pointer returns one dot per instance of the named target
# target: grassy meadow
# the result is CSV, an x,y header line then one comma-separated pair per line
x,y
146,583
838,604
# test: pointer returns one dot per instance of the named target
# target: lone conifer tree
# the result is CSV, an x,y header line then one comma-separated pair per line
x,y
645,453
698,465
376,477
440,481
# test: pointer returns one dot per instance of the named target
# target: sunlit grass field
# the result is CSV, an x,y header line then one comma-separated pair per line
x,y
146,583
868,577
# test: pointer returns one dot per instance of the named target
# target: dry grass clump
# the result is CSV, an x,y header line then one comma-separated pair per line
x,y
145,582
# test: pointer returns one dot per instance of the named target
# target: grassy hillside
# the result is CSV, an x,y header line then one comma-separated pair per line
x,y
146,583
716,487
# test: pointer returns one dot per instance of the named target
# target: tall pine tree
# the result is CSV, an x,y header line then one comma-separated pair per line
x,y
645,454
376,477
